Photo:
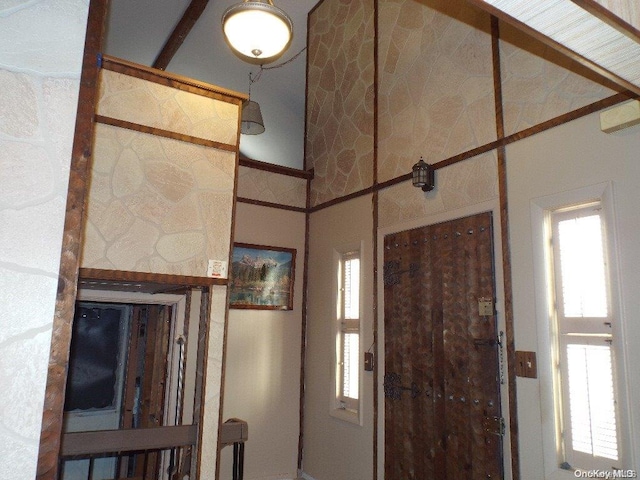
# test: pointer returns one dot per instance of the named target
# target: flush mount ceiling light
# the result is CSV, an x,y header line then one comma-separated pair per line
x,y
257,31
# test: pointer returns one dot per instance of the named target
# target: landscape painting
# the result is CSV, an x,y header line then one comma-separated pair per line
x,y
262,277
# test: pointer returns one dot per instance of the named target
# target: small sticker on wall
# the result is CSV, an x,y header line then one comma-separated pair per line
x,y
217,269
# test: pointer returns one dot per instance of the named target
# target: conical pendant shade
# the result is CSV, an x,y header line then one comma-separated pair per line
x,y
251,123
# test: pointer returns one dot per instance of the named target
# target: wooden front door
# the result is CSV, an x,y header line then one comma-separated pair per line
x,y
442,375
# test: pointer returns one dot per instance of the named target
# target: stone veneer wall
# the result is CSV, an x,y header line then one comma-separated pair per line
x,y
272,187
435,95
539,83
435,98
40,61
160,205
465,183
340,98
148,103
156,204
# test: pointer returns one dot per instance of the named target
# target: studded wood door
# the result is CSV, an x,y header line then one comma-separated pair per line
x,y
442,375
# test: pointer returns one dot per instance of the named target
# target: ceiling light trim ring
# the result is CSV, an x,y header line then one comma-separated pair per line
x,y
261,7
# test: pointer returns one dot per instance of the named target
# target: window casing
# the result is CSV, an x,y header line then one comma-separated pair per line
x,y
347,365
585,393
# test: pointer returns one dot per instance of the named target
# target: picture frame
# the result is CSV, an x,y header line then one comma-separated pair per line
x,y
261,277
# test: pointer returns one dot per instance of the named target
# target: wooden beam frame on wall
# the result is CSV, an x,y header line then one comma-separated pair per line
x,y
611,101
52,414
506,252
499,145
523,27
375,210
77,198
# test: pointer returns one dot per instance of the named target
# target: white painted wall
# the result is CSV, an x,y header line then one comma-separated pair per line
x,y
569,157
335,449
262,376
40,62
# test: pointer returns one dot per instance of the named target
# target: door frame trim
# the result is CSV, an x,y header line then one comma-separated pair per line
x,y
176,301
492,206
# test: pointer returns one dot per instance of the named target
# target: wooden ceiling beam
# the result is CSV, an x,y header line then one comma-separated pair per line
x,y
179,34
611,17
606,73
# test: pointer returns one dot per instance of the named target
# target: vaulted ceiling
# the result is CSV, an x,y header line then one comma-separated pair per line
x,y
138,30
604,35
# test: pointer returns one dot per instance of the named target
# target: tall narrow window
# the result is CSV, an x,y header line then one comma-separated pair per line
x,y
348,338
587,397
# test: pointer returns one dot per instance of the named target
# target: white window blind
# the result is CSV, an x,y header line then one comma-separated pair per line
x,y
348,368
584,292
589,432
351,287
351,355
591,400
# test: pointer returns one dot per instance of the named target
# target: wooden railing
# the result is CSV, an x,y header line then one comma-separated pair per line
x,y
144,446
148,445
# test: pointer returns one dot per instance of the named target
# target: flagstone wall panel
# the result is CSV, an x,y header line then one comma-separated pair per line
x,y
539,83
272,187
340,98
157,205
136,100
435,83
460,185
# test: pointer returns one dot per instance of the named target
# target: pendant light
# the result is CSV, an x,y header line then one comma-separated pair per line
x,y
251,122
257,31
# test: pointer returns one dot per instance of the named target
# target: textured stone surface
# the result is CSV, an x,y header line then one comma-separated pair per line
x,y
160,206
436,86
20,110
540,84
44,37
147,103
435,96
340,98
272,187
38,104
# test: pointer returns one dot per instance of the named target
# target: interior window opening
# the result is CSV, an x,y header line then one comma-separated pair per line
x,y
131,369
589,436
348,333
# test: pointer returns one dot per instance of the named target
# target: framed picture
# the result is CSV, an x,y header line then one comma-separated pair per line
x,y
262,277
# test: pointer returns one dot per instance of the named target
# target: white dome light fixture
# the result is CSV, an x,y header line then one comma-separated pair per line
x,y
257,31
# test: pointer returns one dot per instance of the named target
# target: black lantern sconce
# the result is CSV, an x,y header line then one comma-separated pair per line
x,y
424,176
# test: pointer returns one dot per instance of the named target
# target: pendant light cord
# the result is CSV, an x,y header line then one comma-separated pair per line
x,y
254,79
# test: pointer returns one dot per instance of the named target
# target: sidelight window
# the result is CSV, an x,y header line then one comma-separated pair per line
x,y
347,378
586,398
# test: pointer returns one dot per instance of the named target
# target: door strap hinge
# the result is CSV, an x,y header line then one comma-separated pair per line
x,y
494,425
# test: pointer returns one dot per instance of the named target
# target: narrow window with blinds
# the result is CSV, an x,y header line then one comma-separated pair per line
x,y
348,333
587,395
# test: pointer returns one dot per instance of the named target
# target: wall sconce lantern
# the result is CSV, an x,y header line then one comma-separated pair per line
x,y
257,31
424,176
